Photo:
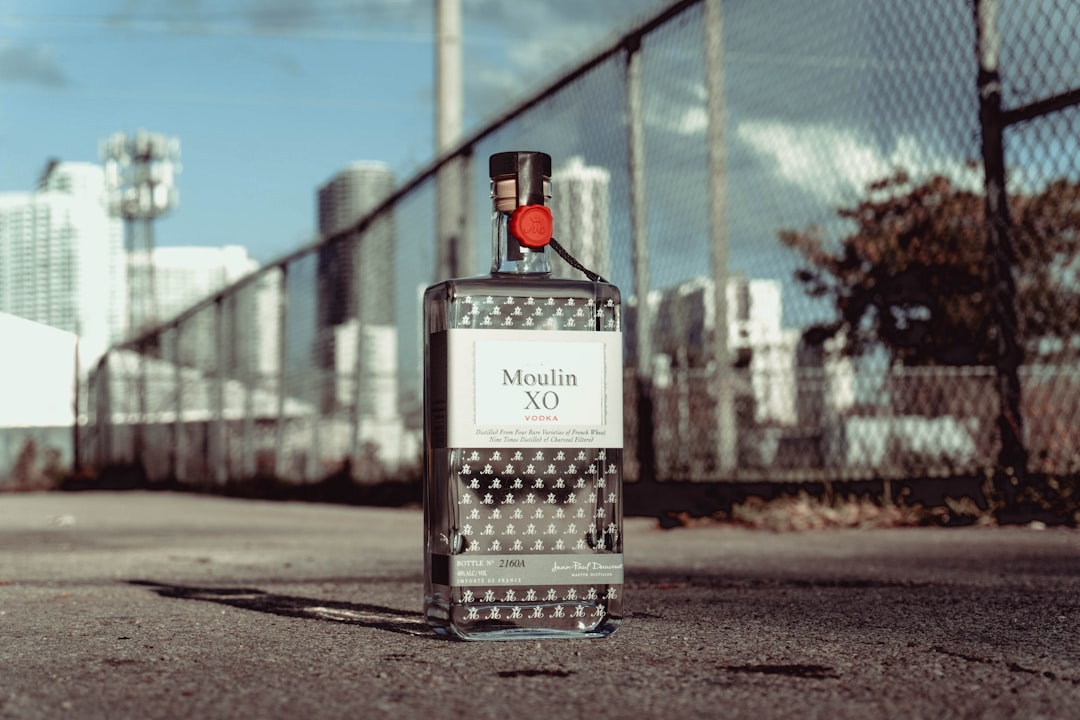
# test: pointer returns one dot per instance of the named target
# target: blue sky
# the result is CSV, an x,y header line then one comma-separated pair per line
x,y
268,98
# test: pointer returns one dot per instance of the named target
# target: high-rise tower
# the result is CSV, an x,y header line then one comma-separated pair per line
x,y
355,277
61,256
579,204
356,335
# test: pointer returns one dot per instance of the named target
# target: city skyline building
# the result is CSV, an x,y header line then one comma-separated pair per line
x,y
187,275
580,201
785,390
62,260
184,275
355,277
684,318
355,344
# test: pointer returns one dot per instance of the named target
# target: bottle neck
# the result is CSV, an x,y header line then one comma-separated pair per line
x,y
508,256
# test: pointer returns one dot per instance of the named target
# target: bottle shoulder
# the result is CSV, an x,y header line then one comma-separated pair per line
x,y
518,285
524,303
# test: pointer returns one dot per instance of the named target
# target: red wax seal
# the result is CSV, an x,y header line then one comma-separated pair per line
x,y
531,225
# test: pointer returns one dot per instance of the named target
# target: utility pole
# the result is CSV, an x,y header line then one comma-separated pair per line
x,y
453,249
1000,257
448,107
727,457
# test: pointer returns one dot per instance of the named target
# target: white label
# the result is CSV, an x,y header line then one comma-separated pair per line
x,y
534,388
522,382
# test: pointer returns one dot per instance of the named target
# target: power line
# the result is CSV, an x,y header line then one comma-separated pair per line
x,y
195,27
200,27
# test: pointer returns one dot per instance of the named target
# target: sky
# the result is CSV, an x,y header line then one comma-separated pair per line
x,y
268,98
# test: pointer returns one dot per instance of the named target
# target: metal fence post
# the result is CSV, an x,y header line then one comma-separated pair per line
x,y
356,440
646,448
718,235
279,425
178,448
245,346
103,413
314,449
216,428
138,441
77,408
1000,256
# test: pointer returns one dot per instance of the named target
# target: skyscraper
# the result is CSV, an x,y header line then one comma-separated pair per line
x,y
355,304
356,275
579,206
62,256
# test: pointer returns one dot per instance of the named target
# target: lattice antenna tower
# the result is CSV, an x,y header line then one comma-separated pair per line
x,y
140,178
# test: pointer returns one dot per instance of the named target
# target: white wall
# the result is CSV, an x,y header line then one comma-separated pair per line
x,y
37,374
37,391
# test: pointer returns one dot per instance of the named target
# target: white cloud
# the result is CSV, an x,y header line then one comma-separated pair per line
x,y
512,48
834,163
694,120
29,64
678,107
822,160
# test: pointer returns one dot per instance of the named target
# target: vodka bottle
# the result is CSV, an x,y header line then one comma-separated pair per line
x,y
522,435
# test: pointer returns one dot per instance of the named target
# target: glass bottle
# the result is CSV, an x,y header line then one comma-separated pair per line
x,y
522,435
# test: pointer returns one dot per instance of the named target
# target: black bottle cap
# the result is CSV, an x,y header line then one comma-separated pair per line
x,y
529,168
509,163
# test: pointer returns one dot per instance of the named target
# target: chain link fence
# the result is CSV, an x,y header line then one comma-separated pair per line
x,y
1040,97
792,198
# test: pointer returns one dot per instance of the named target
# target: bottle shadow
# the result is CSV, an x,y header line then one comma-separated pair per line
x,y
363,614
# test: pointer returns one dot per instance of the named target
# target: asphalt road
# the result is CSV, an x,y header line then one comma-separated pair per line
x,y
156,605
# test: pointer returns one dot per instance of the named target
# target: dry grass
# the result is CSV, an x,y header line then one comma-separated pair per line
x,y
805,512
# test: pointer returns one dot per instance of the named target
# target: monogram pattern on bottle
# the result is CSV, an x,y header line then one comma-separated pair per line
x,y
521,502
542,500
532,313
